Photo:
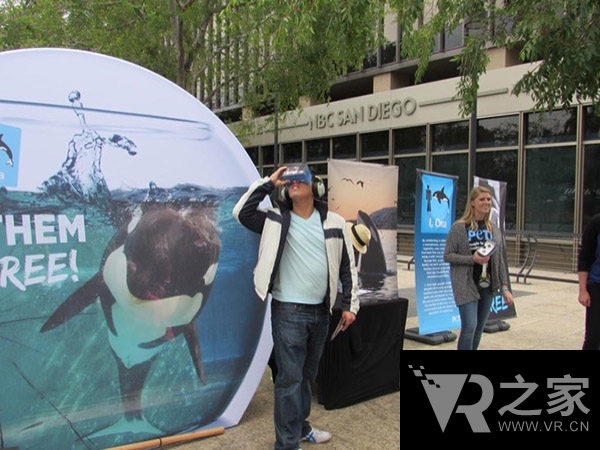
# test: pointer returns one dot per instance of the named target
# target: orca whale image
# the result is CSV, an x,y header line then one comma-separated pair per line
x,y
373,261
155,277
6,149
441,196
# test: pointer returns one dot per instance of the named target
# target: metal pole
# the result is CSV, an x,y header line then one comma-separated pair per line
x,y
472,144
276,135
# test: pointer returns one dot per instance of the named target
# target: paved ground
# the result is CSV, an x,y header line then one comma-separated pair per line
x,y
548,318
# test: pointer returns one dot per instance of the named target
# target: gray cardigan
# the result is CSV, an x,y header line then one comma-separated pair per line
x,y
458,253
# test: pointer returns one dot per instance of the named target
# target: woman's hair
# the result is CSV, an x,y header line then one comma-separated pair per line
x,y
469,214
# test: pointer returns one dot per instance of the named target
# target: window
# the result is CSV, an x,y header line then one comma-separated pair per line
x,y
317,150
319,169
550,171
370,60
383,161
410,140
450,136
555,126
292,152
591,182
391,33
374,144
498,132
344,147
268,155
591,124
253,154
502,165
388,53
453,39
550,189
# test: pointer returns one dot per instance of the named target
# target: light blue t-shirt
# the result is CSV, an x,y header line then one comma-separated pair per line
x,y
302,276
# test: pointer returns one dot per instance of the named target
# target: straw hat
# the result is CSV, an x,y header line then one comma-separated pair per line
x,y
360,235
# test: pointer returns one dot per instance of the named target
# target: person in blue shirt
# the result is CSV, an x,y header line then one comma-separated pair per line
x,y
588,274
304,251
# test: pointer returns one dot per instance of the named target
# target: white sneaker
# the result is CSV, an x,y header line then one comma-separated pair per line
x,y
317,436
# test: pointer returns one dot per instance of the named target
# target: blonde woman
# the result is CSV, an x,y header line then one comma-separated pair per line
x,y
476,278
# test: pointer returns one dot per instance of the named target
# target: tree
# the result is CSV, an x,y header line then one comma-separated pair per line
x,y
249,53
132,30
562,35
256,53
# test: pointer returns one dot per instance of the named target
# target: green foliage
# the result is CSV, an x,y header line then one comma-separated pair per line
x,y
306,45
567,40
562,36
277,50
132,30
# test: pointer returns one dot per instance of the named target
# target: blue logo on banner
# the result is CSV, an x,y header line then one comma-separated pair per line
x,y
436,207
10,148
498,304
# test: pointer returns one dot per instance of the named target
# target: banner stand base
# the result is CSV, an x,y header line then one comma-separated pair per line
x,y
436,338
492,326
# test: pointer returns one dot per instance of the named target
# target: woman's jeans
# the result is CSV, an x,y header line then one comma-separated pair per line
x,y
591,339
473,316
299,335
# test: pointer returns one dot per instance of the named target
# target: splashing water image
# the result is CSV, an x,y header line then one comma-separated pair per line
x,y
80,176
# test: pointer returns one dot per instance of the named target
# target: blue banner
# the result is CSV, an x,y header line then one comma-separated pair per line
x,y
434,215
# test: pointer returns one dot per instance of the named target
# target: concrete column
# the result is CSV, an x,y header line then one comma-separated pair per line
x,y
502,57
389,81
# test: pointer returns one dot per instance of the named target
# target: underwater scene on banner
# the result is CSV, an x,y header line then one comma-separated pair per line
x,y
75,379
127,305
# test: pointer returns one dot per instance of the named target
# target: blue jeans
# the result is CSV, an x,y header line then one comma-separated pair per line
x,y
299,335
473,316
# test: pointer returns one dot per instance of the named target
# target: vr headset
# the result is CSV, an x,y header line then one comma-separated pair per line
x,y
297,172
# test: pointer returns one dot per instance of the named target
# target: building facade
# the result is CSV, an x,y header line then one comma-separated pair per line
x,y
549,160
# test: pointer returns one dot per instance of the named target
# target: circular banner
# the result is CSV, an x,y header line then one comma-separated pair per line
x,y
126,296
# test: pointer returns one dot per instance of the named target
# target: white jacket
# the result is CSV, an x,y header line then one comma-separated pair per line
x,y
273,225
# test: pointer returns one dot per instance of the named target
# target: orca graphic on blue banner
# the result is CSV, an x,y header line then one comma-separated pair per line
x,y
10,143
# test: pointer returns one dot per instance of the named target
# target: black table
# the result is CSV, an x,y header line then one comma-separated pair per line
x,y
363,362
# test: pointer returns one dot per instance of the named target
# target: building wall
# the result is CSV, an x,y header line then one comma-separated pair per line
x,y
435,102
548,161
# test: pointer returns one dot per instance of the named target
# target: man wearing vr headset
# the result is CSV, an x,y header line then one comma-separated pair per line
x,y
304,250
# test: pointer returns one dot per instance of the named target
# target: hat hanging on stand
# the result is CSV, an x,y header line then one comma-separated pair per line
x,y
360,235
